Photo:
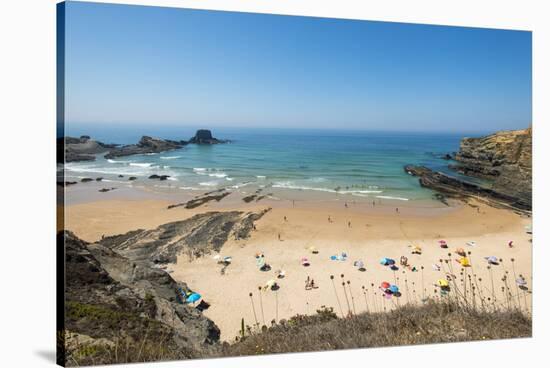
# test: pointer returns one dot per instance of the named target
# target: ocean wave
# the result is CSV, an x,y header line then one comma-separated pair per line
x,y
209,183
190,188
141,164
169,157
218,175
229,179
289,185
396,198
111,161
240,185
260,176
199,169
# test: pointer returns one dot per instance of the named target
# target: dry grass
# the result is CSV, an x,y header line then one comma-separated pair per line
x,y
434,322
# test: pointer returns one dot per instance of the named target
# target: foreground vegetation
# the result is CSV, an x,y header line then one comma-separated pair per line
x,y
433,322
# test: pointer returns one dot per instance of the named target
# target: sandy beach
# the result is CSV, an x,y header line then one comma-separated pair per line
x,y
362,230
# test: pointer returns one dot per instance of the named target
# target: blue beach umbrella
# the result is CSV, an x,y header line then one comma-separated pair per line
x,y
394,289
193,298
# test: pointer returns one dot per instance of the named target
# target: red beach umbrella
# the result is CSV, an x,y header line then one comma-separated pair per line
x,y
385,285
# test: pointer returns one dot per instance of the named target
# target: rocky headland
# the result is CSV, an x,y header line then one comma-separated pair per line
x,y
503,160
81,149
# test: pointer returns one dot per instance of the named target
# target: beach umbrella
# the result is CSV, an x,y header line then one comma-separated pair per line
x,y
436,267
270,283
260,262
385,285
521,281
280,273
464,262
417,249
359,264
193,298
304,261
492,259
313,250
461,252
393,288
443,283
471,243
333,258
227,259
384,261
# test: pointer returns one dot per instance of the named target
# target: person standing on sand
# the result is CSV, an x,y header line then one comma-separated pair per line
x,y
511,244
396,209
279,236
346,204
293,203
349,223
329,219
373,203
285,218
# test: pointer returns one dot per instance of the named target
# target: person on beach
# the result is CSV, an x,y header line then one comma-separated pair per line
x,y
511,244
373,203
279,236
346,204
285,218
329,219
308,283
349,223
396,210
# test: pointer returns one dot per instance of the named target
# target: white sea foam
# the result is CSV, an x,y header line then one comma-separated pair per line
x,y
199,169
396,198
261,176
141,164
218,175
169,157
290,185
115,161
229,179
209,183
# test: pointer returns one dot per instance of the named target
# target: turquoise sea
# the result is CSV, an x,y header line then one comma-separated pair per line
x,y
356,163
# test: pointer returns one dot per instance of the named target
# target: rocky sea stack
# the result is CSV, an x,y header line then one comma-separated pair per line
x,y
204,136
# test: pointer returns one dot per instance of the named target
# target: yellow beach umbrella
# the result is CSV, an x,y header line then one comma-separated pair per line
x,y
443,283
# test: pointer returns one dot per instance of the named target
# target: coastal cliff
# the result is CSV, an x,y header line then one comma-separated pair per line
x,y
112,301
503,158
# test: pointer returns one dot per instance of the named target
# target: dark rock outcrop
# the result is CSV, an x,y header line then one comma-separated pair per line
x,y
146,145
217,196
204,136
195,236
112,300
503,158
80,149
450,187
159,177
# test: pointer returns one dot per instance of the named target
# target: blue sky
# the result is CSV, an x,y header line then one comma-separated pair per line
x,y
151,65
